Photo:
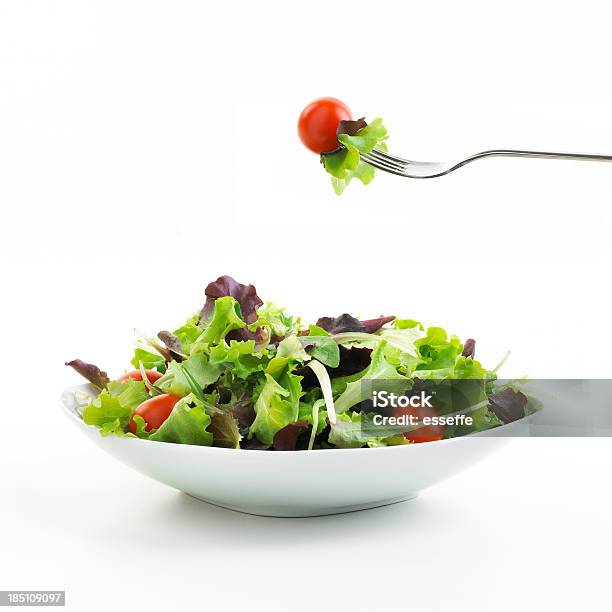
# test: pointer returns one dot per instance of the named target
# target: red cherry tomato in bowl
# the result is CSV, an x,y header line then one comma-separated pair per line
x,y
427,433
152,376
318,123
154,411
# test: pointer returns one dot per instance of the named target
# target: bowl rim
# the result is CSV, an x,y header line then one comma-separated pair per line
x,y
71,414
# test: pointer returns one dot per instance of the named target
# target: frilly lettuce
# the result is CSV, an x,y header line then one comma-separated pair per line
x,y
277,406
187,424
112,409
345,164
250,375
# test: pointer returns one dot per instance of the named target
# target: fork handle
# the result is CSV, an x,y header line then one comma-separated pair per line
x,y
539,154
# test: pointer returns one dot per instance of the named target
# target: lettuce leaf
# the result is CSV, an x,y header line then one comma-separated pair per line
x,y
379,369
469,348
277,406
175,380
345,164
90,372
277,321
239,356
347,323
151,361
323,348
188,333
252,377
173,344
292,348
308,410
366,139
508,405
285,439
340,324
187,424
114,406
245,295
225,430
346,433
225,317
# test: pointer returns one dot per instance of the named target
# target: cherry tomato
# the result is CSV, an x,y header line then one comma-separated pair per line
x,y
427,433
152,375
318,122
155,411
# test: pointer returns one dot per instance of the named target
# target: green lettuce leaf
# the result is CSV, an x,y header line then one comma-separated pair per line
x,y
379,369
188,333
289,353
407,324
225,318
345,164
151,361
292,348
277,405
346,433
438,354
238,356
322,347
307,413
315,330
468,367
367,138
187,424
175,380
277,321
112,409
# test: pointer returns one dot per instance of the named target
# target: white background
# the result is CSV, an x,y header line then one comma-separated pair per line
x,y
147,147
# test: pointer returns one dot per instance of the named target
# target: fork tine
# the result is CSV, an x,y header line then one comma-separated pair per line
x,y
381,165
388,163
388,158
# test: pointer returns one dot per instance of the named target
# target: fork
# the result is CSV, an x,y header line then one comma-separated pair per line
x,y
424,170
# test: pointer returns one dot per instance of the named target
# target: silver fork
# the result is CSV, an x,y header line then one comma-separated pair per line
x,y
421,170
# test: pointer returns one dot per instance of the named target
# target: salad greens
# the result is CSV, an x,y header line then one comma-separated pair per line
x,y
244,374
355,137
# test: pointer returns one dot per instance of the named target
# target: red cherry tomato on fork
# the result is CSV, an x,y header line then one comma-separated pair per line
x,y
427,433
318,123
152,376
154,411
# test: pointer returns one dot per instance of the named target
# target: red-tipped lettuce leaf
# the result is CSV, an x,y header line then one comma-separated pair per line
x,y
508,405
245,295
286,438
173,344
372,325
469,348
338,325
260,335
225,430
91,372
347,323
353,360
347,126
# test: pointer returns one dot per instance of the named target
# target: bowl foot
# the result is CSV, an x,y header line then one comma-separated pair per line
x,y
297,512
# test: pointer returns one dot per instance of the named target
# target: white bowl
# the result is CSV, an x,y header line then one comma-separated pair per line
x,y
293,483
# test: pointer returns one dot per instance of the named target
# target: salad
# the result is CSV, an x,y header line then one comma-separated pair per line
x,y
327,128
243,374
